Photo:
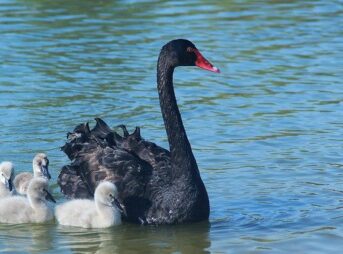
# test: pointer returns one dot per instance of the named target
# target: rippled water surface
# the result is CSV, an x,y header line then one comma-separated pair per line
x,y
267,132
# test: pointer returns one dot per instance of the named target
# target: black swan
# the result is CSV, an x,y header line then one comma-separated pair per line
x,y
155,186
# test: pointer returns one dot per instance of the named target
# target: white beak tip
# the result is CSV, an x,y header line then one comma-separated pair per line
x,y
215,69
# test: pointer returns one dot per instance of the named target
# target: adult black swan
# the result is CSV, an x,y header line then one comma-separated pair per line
x,y
156,186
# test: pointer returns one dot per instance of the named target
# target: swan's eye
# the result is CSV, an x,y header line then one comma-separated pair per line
x,y
190,49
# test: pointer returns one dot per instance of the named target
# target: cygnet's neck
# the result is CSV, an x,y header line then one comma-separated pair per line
x,y
41,212
109,213
3,190
36,203
37,172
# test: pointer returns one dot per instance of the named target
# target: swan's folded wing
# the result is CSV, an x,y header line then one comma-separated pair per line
x,y
94,160
127,171
134,143
139,168
80,179
72,184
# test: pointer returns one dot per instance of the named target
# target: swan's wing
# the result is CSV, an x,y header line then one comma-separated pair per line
x,y
157,157
72,179
72,184
91,166
138,167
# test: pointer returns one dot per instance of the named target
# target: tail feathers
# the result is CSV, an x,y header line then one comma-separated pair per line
x,y
72,185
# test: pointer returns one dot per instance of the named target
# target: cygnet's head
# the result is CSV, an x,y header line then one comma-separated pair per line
x,y
38,190
40,165
107,194
6,174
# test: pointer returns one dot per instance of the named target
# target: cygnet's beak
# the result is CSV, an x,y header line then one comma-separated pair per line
x,y
49,197
45,172
9,184
119,206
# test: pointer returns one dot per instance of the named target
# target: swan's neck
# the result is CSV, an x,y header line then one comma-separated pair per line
x,y
181,152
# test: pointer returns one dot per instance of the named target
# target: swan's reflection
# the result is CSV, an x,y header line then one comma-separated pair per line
x,y
127,238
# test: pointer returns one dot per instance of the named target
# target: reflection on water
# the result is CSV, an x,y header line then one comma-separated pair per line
x,y
33,238
121,239
132,239
266,132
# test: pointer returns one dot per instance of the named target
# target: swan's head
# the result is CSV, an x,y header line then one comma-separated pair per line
x,y
40,166
107,194
184,53
6,174
39,190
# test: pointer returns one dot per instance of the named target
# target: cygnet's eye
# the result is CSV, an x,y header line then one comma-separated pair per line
x,y
111,197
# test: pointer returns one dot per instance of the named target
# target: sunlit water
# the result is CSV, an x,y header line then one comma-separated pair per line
x,y
267,132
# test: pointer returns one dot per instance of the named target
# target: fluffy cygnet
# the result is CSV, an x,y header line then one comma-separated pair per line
x,y
6,178
33,209
103,212
40,166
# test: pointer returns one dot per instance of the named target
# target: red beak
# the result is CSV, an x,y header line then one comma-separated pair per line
x,y
202,62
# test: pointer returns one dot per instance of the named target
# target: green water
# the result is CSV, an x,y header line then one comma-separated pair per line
x,y
267,132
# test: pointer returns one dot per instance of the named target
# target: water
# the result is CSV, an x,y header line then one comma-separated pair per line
x,y
267,132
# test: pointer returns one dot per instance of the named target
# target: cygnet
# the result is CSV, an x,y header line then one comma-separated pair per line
x,y
30,209
102,212
40,168
6,178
